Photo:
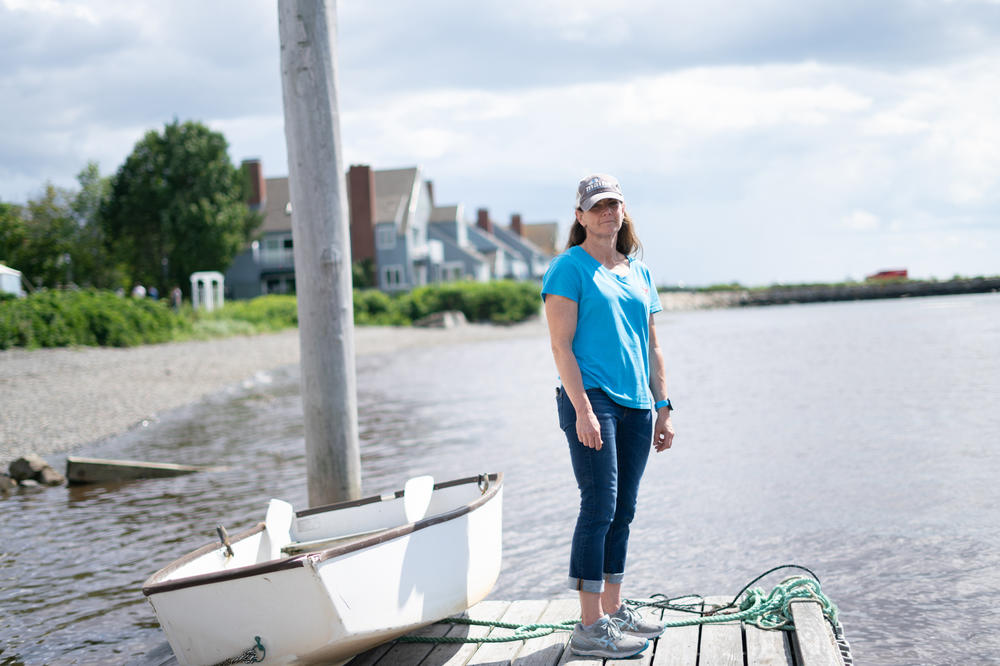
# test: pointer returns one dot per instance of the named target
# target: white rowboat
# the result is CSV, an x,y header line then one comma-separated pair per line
x,y
324,584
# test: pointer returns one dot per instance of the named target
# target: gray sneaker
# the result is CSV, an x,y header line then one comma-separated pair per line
x,y
605,639
632,622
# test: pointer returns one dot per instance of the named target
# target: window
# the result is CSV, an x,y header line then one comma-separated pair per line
x,y
385,236
276,250
393,276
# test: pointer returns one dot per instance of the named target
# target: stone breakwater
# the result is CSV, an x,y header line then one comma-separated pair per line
x,y
698,300
53,400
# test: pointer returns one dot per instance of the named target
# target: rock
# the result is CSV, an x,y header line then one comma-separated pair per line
x,y
445,319
27,467
28,483
50,477
7,484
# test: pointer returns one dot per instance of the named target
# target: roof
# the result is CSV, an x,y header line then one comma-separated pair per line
x,y
440,235
543,234
276,210
393,194
8,270
446,213
521,244
487,242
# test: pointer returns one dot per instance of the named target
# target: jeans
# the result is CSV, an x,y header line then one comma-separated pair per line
x,y
609,484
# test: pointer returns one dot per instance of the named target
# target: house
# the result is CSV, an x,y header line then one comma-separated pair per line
x,y
534,258
462,261
390,213
892,274
268,265
395,226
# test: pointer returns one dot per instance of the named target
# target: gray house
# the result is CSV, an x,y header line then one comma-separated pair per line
x,y
535,259
267,266
390,215
461,259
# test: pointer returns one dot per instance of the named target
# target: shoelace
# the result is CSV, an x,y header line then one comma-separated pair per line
x,y
631,618
614,627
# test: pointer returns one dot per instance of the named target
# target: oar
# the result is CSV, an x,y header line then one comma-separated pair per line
x,y
417,496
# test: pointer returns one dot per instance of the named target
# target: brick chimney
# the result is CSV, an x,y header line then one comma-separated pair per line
x,y
483,220
254,174
515,224
361,200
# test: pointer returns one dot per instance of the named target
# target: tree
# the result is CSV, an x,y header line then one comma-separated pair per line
x,y
177,205
92,256
56,238
12,234
46,256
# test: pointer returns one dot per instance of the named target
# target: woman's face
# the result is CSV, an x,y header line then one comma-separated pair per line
x,y
604,219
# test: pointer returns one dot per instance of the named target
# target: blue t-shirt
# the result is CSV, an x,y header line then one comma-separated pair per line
x,y
611,343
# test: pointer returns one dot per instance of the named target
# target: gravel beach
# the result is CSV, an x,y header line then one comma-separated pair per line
x,y
52,400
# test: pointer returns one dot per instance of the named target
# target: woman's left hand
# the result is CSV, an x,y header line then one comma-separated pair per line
x,y
663,431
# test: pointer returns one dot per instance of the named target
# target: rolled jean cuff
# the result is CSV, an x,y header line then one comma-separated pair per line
x,y
615,578
583,585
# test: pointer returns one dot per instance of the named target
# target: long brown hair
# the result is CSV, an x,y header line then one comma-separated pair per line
x,y
627,242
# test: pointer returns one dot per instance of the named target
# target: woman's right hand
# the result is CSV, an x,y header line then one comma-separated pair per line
x,y
588,429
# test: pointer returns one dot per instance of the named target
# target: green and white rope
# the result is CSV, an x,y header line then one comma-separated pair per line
x,y
767,611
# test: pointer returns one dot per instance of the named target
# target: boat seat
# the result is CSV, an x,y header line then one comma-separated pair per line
x,y
277,530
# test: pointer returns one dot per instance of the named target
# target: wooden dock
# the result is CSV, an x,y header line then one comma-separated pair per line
x,y
812,643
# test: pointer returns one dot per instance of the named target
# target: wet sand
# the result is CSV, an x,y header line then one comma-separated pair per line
x,y
53,400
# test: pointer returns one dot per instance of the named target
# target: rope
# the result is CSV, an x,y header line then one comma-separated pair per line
x,y
751,605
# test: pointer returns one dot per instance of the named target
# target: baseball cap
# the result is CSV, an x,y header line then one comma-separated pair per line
x,y
596,187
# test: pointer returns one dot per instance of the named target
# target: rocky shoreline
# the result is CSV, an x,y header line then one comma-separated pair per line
x,y
54,400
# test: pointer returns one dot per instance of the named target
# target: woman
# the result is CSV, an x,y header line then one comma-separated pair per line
x,y
599,302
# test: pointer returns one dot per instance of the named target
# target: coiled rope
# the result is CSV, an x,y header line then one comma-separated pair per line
x,y
751,605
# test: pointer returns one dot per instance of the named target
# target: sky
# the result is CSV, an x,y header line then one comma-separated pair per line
x,y
759,141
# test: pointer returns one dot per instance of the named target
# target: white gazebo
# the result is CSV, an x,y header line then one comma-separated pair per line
x,y
207,290
10,281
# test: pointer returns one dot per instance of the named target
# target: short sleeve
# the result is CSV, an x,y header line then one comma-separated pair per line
x,y
562,279
654,298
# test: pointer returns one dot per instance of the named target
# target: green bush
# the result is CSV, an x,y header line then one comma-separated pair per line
x,y
91,317
501,302
273,312
86,317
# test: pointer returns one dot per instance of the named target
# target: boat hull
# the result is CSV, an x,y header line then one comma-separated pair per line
x,y
330,604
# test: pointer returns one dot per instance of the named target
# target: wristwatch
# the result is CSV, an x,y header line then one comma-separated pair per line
x,y
663,403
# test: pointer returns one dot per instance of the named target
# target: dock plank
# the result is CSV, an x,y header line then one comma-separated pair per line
x,y
521,612
814,639
721,644
678,646
458,654
407,654
767,648
548,650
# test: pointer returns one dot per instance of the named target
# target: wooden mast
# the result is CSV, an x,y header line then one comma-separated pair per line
x,y
322,247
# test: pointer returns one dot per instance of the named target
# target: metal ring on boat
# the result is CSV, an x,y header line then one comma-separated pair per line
x,y
484,483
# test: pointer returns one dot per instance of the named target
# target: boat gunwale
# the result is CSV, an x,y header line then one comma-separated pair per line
x,y
155,585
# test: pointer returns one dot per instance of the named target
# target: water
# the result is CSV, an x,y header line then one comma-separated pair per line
x,y
858,439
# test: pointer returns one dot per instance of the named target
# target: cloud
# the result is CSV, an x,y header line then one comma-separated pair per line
x,y
861,220
769,124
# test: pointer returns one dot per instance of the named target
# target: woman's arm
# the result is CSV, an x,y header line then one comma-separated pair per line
x,y
561,315
663,431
